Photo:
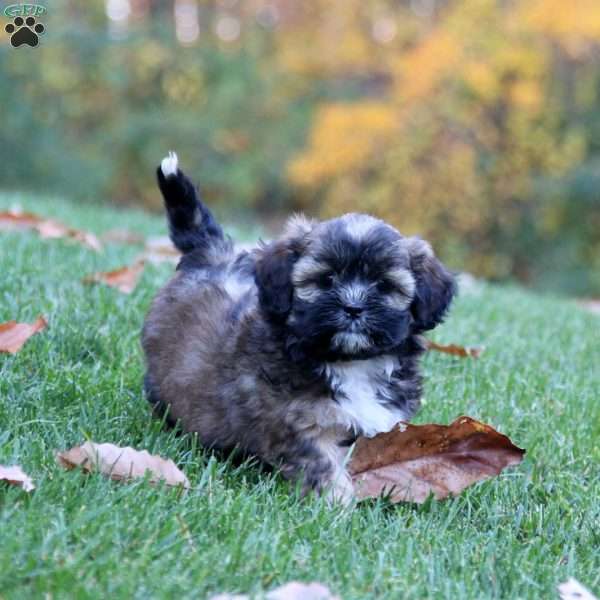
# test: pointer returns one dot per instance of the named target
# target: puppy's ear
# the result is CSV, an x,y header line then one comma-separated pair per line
x,y
274,266
435,286
298,227
273,278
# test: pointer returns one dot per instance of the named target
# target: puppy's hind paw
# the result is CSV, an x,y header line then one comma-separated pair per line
x,y
168,165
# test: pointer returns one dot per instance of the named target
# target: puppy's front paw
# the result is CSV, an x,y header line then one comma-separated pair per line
x,y
169,165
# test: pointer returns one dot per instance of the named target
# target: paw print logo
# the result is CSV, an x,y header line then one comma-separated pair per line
x,y
24,31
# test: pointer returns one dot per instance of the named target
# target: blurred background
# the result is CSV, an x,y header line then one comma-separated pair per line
x,y
475,123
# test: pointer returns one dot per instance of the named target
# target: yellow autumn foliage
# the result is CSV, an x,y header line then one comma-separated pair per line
x,y
466,122
562,19
363,127
326,37
420,70
475,123
482,79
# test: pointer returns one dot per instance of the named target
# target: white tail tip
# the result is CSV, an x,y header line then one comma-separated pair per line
x,y
168,166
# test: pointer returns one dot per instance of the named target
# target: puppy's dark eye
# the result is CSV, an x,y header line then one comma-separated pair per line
x,y
326,281
384,286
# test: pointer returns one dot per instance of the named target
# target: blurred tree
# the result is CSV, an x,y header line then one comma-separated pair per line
x,y
473,122
114,86
483,112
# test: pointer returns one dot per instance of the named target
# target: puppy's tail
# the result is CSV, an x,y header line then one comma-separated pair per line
x,y
192,227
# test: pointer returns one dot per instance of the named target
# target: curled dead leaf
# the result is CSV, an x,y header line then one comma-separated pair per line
x,y
590,305
46,228
16,476
413,461
16,220
122,236
159,250
573,590
289,591
455,350
122,464
51,229
124,279
301,591
13,335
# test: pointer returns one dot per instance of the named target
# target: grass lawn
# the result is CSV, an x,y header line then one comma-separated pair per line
x,y
239,530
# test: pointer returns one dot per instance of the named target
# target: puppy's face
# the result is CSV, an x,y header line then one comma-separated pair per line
x,y
351,287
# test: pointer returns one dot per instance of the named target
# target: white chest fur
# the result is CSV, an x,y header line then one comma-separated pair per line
x,y
358,386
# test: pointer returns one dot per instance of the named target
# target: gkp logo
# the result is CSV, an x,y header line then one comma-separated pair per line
x,y
25,28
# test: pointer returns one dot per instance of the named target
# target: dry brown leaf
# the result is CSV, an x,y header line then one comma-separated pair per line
x,y
122,236
413,461
464,351
160,249
124,279
85,238
289,591
16,476
13,335
46,228
590,305
122,464
301,591
51,229
12,220
573,590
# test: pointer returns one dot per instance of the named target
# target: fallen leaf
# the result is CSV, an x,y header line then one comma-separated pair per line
x,y
17,220
122,236
159,250
124,279
86,238
16,476
592,306
46,228
412,461
465,351
573,590
50,229
301,591
13,335
290,591
122,464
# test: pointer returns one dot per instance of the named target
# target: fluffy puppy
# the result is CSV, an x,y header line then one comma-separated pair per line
x,y
290,351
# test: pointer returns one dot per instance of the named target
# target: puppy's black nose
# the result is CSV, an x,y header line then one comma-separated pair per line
x,y
353,310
